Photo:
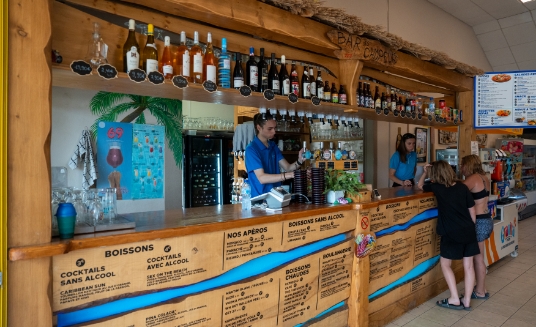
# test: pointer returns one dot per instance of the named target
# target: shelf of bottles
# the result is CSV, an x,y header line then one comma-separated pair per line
x,y
203,73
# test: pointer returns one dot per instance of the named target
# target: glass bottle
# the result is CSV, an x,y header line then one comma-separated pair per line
x,y
305,84
196,61
344,152
294,80
181,59
327,92
306,153
166,64
377,99
312,82
262,68
238,73
150,54
284,78
338,152
360,97
319,85
273,76
399,104
407,105
252,76
209,62
342,95
318,152
383,101
224,66
326,154
334,94
131,49
97,51
393,101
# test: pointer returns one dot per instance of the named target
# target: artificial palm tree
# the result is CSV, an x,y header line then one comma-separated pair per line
x,y
168,113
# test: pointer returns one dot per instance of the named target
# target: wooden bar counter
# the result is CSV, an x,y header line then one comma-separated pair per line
x,y
219,266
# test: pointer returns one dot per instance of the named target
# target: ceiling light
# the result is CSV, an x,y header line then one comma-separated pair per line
x,y
525,1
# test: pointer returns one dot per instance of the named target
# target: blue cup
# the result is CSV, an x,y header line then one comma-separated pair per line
x,y
66,215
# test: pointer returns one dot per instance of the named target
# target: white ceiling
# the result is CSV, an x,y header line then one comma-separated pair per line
x,y
506,29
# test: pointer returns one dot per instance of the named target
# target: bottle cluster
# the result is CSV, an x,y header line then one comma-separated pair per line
x,y
331,154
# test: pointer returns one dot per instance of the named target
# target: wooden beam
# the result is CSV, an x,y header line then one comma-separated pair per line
x,y
29,121
403,83
466,132
350,72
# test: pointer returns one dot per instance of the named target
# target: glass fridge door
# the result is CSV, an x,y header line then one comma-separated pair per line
x,y
206,183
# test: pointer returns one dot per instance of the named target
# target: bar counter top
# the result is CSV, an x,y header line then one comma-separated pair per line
x,y
181,222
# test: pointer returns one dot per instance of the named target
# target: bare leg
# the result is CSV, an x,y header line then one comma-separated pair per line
x,y
469,276
480,271
451,280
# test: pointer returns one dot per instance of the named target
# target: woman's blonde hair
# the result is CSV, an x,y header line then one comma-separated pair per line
x,y
442,173
472,164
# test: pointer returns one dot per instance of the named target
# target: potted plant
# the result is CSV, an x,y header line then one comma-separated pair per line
x,y
339,183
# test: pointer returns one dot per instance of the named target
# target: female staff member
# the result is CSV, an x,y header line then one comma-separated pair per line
x,y
264,160
476,181
403,162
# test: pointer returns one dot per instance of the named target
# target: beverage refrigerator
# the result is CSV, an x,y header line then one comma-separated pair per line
x,y
208,169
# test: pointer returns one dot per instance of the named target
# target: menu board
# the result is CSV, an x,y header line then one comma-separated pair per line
x,y
505,100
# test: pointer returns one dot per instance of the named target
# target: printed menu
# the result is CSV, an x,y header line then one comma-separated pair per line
x,y
505,100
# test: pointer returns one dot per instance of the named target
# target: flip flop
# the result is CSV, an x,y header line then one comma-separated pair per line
x,y
478,297
464,307
445,304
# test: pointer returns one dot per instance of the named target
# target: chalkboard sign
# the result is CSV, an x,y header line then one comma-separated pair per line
x,y
386,112
81,67
378,111
180,81
316,100
137,75
396,112
413,115
210,86
156,77
430,118
269,95
293,98
107,71
419,116
245,90
403,113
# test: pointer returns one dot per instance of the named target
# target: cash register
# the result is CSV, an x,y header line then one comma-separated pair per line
x,y
277,198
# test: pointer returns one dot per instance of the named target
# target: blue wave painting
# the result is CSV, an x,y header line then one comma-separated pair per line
x,y
249,269
414,273
323,313
423,216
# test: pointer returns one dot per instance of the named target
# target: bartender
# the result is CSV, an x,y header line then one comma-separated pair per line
x,y
264,161
403,163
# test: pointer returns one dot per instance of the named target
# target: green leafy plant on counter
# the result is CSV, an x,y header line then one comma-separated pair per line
x,y
340,180
168,113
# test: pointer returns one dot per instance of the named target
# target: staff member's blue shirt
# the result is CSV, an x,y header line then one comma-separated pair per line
x,y
404,170
259,156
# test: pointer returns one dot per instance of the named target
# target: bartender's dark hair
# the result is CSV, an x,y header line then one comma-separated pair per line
x,y
402,146
259,120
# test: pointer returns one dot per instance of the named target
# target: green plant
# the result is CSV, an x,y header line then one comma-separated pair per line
x,y
340,180
168,113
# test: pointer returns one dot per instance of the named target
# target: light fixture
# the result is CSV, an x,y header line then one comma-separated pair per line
x,y
526,1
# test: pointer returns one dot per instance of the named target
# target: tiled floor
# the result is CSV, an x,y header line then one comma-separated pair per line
x,y
511,283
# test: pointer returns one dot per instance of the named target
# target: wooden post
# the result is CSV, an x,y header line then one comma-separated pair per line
x,y
466,132
29,120
358,315
349,71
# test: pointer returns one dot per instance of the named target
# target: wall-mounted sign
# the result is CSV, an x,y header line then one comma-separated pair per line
x,y
505,100
357,47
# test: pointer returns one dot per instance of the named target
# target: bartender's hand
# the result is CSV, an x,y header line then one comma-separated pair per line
x,y
407,182
300,155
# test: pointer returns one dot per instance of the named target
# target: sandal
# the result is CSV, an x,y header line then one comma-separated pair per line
x,y
478,297
464,307
445,304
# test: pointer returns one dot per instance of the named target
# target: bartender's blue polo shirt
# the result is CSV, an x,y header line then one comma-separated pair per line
x,y
404,170
259,156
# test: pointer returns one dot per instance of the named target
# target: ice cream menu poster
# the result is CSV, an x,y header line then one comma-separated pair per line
x,y
130,158
505,100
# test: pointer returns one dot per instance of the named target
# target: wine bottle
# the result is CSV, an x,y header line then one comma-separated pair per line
x,y
388,100
368,97
196,61
252,76
294,80
413,103
319,85
181,59
305,84
166,64
312,82
383,100
273,76
224,66
131,49
327,92
407,106
209,62
284,78
342,95
377,99
238,73
359,94
262,68
334,94
150,54
393,101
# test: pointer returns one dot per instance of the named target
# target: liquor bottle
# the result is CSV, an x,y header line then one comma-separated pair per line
x,y
209,62
383,101
370,102
377,99
181,59
166,63
338,152
334,94
326,154
413,103
318,154
327,92
342,95
305,84
331,151
224,66
431,107
393,101
344,152
407,105
388,100
306,153
97,51
262,68
294,80
312,82
252,76
284,78
399,104
273,76
150,54
319,85
360,97
131,49
238,74
196,61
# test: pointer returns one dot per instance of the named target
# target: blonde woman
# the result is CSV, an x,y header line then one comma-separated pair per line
x,y
478,184
456,225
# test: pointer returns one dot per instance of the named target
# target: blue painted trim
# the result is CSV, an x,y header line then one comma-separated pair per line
x,y
336,306
423,216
